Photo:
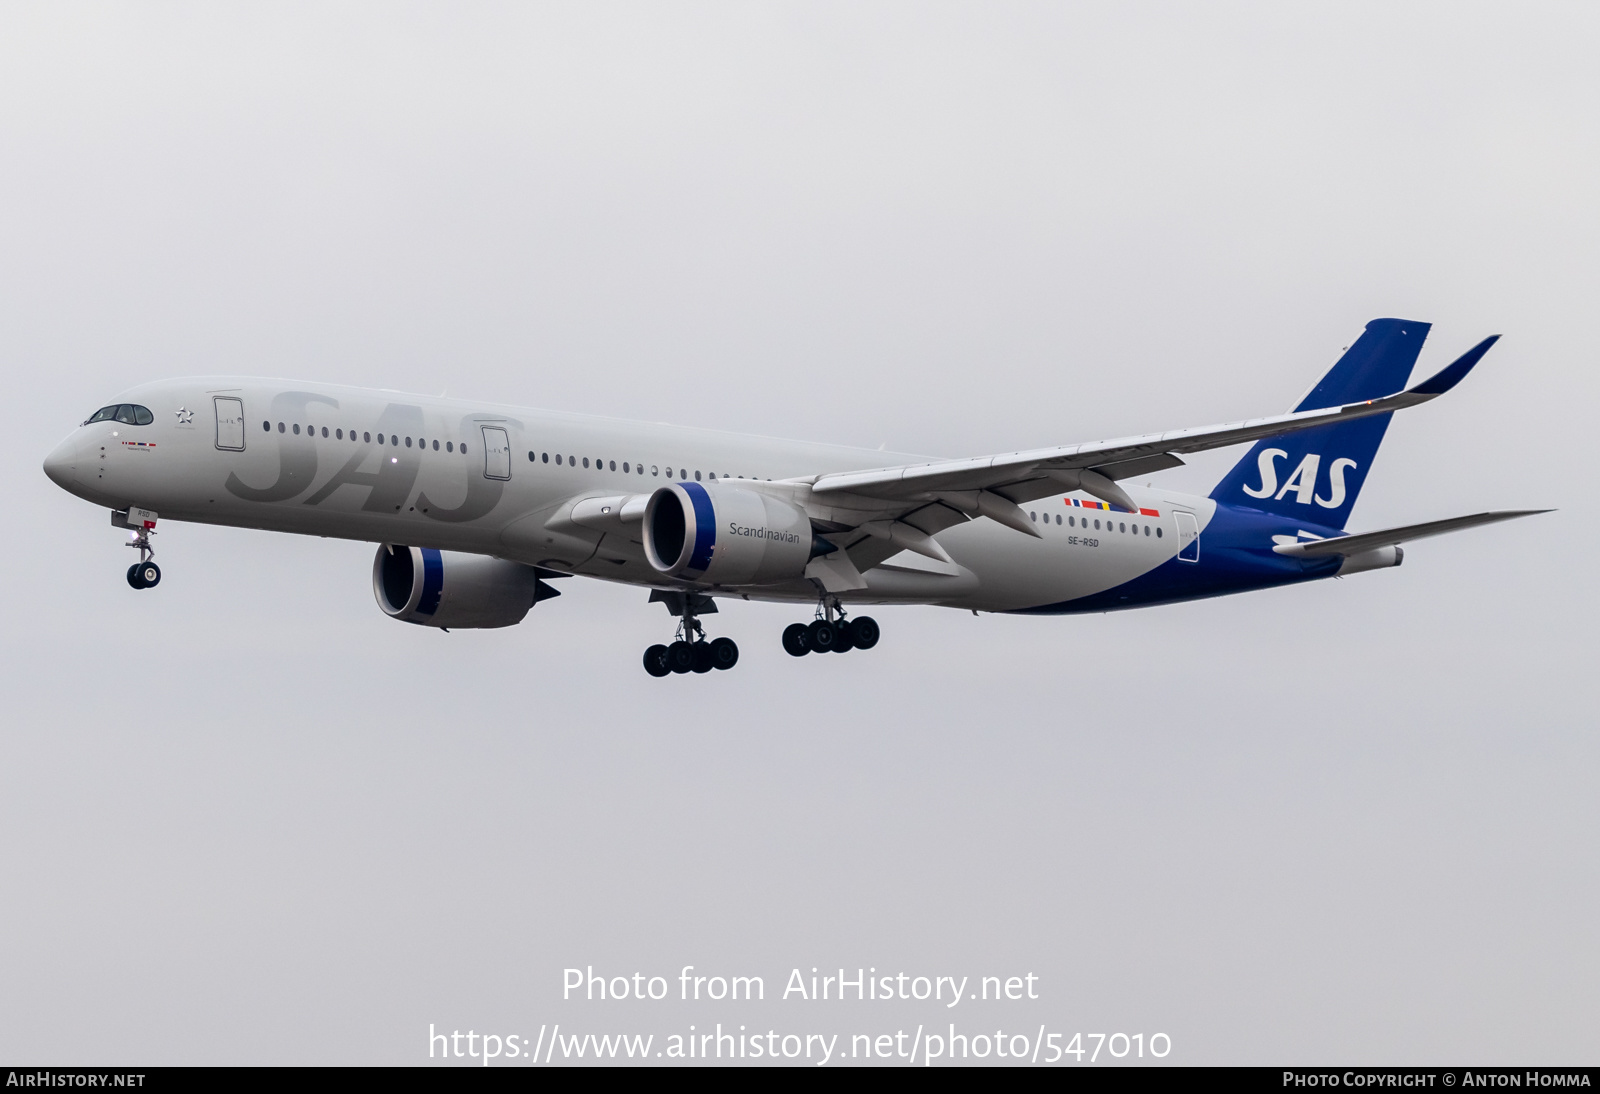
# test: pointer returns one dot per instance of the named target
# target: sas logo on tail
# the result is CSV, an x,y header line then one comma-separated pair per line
x,y
1304,480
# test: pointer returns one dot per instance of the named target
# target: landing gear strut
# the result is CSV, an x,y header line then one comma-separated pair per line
x,y
690,651
830,632
144,574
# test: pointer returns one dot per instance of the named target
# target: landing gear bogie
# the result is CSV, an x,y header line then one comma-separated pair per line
x,y
830,633
692,651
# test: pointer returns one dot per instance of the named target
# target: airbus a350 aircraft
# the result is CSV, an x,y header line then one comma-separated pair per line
x,y
476,507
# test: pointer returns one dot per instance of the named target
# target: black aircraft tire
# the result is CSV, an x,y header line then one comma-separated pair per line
x,y
797,640
724,653
842,642
702,657
864,632
823,636
149,575
134,580
655,661
680,657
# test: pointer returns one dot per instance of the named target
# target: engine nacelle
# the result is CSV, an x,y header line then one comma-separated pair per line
x,y
451,589
724,535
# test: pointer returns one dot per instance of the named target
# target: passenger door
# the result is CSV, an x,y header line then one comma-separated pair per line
x,y
230,423
496,453
1188,537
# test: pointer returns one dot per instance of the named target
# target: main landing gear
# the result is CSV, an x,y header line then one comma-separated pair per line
x,y
830,632
690,652
144,574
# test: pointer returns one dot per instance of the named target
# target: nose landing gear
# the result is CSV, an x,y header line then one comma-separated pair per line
x,y
690,651
144,574
830,632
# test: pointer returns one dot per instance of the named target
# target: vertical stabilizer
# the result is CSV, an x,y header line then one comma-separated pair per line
x,y
1317,474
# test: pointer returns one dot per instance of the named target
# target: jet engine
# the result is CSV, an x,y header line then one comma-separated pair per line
x,y
725,535
452,589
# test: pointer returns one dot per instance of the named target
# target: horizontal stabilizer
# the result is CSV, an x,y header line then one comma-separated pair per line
x,y
1367,541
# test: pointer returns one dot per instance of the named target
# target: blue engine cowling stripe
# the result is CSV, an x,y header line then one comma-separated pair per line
x,y
705,526
432,581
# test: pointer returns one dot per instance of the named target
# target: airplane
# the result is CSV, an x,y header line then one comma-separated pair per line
x,y
476,508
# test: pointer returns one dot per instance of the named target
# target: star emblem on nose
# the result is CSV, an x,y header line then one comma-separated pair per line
x,y
185,416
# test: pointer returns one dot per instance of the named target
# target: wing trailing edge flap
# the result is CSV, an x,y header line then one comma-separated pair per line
x,y
1389,537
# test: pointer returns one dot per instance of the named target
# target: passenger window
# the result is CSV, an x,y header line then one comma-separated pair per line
x,y
613,465
395,440
463,448
367,437
324,431
697,476
1122,528
1147,529
586,463
436,448
544,457
669,472
266,427
1072,522
297,429
1158,533
408,442
626,470
338,434
653,470
281,427
1058,518
1097,524
380,438
1033,516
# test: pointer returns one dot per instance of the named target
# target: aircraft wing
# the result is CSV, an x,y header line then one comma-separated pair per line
x,y
1388,537
1095,467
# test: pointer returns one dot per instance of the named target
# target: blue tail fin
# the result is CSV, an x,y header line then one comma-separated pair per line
x,y
1316,474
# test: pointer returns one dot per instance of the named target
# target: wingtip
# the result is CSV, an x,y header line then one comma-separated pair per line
x,y
1456,371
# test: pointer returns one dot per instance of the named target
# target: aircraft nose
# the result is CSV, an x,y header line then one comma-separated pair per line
x,y
62,464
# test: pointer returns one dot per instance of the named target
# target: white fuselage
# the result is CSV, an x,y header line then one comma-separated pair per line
x,y
308,460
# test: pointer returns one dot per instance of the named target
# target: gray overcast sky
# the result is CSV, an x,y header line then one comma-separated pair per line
x,y
247,818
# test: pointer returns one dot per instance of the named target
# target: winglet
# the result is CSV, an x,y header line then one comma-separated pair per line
x,y
1453,373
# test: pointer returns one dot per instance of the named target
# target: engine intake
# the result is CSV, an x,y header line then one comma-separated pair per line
x,y
724,535
452,589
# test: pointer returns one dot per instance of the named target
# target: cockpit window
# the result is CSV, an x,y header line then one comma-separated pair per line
x,y
126,413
